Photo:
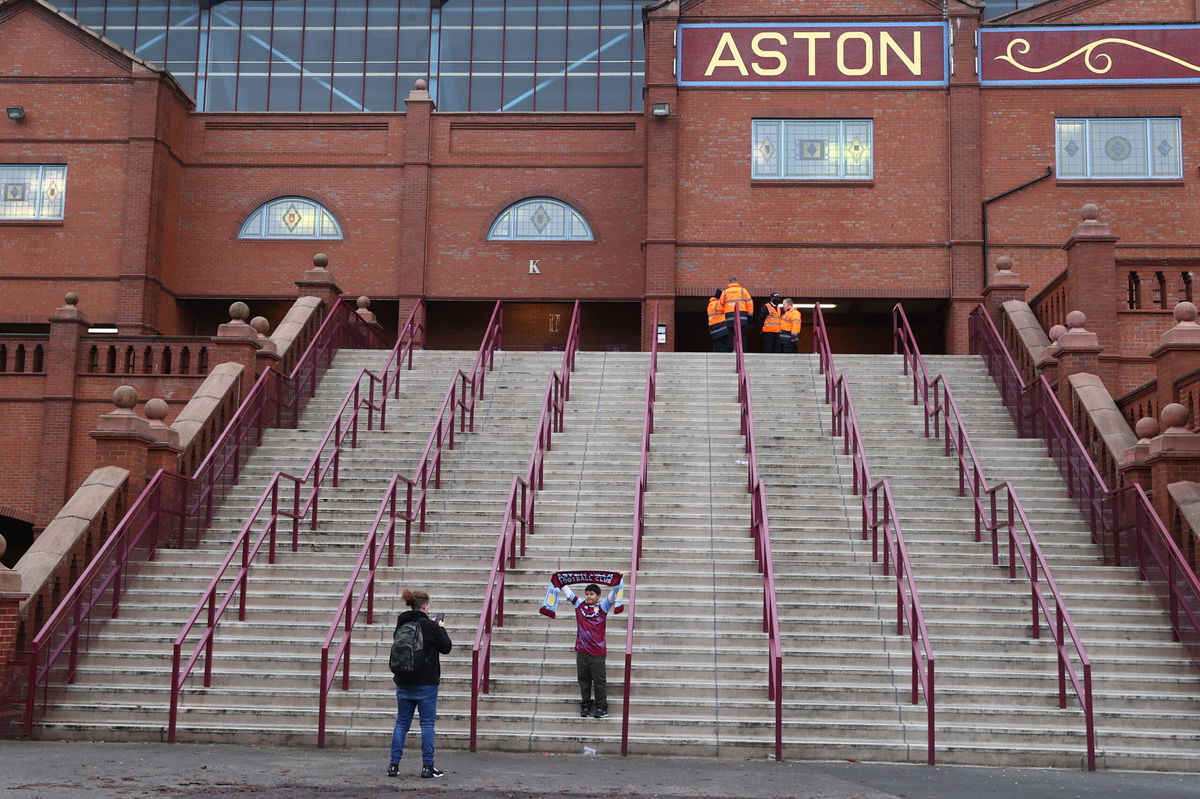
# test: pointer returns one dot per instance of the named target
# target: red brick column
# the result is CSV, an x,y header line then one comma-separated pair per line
x,y
123,439
1173,455
1092,283
1005,285
67,326
662,173
11,597
1177,354
965,179
414,197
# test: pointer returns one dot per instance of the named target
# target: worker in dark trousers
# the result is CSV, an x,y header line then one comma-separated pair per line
x,y
718,325
772,321
789,329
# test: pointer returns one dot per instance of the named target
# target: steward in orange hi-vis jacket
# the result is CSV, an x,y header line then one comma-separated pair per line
x,y
718,326
737,301
772,324
789,334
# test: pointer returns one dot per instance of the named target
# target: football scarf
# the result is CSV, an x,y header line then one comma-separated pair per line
x,y
559,579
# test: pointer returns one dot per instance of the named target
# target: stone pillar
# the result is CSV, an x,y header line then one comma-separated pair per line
x,y
1047,364
1133,468
1172,455
123,439
662,172
1076,351
67,326
236,340
1092,280
1005,285
1177,354
414,198
268,351
164,451
318,282
366,314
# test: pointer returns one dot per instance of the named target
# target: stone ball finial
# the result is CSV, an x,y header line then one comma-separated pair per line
x,y
1174,415
125,397
421,84
1076,320
1146,427
364,302
1089,211
3,546
239,311
260,325
320,260
156,409
1057,332
71,299
1185,313
1004,264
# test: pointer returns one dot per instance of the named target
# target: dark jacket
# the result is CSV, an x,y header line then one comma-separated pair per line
x,y
437,643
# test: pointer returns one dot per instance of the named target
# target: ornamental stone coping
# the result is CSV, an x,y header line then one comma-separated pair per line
x,y
1026,323
1175,437
205,401
123,419
61,534
1146,428
237,326
1110,423
69,312
1186,495
265,343
1077,338
156,411
297,316
1004,276
1090,227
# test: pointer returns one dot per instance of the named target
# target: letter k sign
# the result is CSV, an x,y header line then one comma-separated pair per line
x,y
533,266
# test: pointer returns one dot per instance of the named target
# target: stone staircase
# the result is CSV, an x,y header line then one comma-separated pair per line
x,y
996,686
846,671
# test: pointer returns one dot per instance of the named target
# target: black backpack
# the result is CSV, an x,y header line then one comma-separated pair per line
x,y
408,649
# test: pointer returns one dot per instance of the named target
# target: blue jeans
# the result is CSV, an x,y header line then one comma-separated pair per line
x,y
422,698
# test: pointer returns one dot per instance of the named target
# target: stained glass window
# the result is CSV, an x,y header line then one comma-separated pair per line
x,y
811,149
540,219
1118,148
32,191
290,218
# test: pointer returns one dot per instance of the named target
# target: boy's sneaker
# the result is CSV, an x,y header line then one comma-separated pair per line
x,y
431,771
585,711
601,712
394,770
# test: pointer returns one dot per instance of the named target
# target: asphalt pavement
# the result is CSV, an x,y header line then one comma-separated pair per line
x,y
49,770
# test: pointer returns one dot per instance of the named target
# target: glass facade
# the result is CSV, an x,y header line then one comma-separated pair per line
x,y
364,55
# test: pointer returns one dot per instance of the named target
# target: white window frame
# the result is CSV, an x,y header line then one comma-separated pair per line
x,y
505,226
38,189
1089,163
257,223
783,125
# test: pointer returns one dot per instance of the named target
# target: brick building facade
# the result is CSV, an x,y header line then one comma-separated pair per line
x,y
957,164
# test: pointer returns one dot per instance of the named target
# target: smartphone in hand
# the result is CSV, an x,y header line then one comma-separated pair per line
x,y
440,617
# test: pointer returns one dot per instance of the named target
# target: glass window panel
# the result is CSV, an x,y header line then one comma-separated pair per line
x,y
118,22
151,32
540,219
32,191
285,90
857,149
1165,150
290,218
380,92
614,92
1118,148
812,149
452,90
581,92
485,93
764,155
1071,147
91,13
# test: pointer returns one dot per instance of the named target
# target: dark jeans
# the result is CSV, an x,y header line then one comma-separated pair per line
x,y
722,342
423,699
771,342
590,669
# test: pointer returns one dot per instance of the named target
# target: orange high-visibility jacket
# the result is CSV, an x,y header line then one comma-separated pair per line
x,y
791,322
772,322
716,312
735,298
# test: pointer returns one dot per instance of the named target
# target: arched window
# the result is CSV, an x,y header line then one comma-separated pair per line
x,y
540,219
290,218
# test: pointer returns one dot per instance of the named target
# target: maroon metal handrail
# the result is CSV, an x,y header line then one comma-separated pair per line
x,y
760,531
941,408
640,486
1122,521
456,398
80,616
519,511
844,423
